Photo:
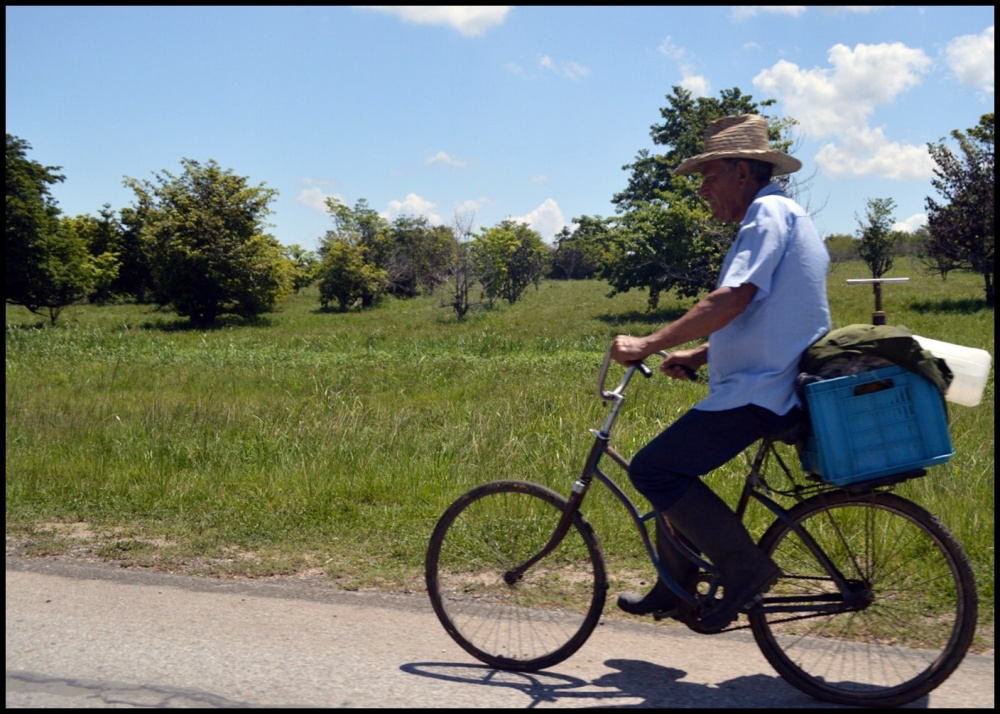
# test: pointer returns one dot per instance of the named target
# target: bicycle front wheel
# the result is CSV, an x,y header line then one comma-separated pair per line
x,y
914,601
536,621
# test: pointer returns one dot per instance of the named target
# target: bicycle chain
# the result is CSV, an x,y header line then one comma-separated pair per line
x,y
774,622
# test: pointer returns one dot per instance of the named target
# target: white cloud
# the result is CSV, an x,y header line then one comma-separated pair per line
x,y
971,58
468,20
672,51
911,224
413,205
837,102
569,70
443,157
471,205
870,154
314,197
850,9
547,219
697,84
742,12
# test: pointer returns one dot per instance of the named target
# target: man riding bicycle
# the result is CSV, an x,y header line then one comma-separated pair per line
x,y
768,306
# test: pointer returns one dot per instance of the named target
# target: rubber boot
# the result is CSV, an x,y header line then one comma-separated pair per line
x,y
745,570
661,599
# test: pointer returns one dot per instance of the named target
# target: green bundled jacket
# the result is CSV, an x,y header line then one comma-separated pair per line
x,y
892,342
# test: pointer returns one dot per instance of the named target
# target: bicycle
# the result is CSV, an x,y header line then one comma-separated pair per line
x,y
876,605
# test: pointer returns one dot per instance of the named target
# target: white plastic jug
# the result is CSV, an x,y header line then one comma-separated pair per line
x,y
970,367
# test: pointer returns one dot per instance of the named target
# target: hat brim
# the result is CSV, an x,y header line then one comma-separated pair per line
x,y
783,163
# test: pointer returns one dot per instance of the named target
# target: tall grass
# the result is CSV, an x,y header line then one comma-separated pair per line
x,y
333,441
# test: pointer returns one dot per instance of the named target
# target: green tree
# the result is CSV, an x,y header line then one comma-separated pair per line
x,y
305,266
363,228
209,254
913,244
842,247
877,240
509,256
682,133
420,255
135,276
666,239
663,247
47,265
346,276
961,228
100,236
581,253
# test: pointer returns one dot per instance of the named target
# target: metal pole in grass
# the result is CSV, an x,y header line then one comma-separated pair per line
x,y
878,317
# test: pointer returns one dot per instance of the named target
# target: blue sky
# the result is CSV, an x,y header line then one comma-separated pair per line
x,y
482,112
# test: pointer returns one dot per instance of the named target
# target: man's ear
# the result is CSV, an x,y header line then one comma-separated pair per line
x,y
743,169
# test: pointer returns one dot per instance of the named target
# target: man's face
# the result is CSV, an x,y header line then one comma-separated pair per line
x,y
724,186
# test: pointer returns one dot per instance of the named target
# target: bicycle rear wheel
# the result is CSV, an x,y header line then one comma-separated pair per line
x,y
537,621
915,601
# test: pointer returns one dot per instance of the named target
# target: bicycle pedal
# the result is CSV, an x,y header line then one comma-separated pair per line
x,y
753,603
664,614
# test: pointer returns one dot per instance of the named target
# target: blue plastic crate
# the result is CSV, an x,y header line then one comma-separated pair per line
x,y
874,424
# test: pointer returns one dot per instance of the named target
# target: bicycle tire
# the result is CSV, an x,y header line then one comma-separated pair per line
x,y
916,578
543,618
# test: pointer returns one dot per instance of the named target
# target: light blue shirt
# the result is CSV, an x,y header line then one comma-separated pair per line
x,y
754,359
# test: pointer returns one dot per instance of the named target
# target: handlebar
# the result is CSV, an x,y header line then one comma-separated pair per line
x,y
639,366
615,396
629,371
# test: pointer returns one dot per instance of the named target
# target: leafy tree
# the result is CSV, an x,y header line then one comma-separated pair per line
x,y
100,236
47,265
877,244
682,132
582,252
420,255
305,266
663,247
666,238
346,276
135,276
914,243
363,228
842,247
509,256
961,228
209,254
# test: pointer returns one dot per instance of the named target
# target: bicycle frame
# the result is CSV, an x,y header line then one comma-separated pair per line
x,y
845,598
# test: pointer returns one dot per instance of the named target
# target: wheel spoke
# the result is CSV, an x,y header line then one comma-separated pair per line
x,y
915,617
543,617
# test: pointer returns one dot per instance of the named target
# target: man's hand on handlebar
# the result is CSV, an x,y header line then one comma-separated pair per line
x,y
626,349
682,364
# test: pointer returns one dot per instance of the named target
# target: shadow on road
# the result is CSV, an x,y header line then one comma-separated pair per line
x,y
634,684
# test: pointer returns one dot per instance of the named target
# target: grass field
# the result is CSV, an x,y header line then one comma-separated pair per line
x,y
311,442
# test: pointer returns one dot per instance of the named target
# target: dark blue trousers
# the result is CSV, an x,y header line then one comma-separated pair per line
x,y
697,443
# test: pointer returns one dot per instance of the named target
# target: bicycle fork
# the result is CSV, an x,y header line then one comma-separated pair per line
x,y
580,488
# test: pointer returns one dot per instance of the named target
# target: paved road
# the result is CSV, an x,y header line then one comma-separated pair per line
x,y
93,636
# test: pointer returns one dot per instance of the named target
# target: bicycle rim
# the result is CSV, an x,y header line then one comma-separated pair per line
x,y
541,619
907,565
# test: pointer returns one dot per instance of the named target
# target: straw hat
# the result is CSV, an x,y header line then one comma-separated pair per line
x,y
739,137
